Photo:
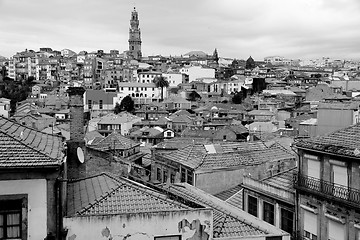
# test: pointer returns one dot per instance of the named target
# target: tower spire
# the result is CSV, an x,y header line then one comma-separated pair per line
x,y
135,36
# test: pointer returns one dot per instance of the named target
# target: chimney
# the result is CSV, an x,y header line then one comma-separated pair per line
x,y
76,167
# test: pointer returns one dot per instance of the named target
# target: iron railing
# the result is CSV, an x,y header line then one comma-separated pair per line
x,y
327,189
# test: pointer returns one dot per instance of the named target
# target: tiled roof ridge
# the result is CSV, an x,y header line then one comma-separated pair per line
x,y
85,178
191,149
96,201
28,145
277,144
202,161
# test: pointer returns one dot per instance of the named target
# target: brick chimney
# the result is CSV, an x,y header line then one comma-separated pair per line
x,y
76,169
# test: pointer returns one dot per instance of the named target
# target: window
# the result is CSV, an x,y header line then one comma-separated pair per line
x,y
183,175
310,225
89,103
168,134
165,175
158,174
100,104
313,166
336,230
287,220
269,213
339,174
172,178
189,177
10,218
252,206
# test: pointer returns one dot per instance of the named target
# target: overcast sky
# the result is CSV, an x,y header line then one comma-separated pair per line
x,y
237,28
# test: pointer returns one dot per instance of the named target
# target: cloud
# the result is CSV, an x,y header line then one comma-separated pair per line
x,y
237,28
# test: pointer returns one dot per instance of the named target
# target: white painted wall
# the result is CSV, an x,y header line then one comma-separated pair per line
x,y
195,72
37,203
174,79
137,226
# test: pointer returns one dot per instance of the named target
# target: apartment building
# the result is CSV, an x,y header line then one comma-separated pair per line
x,y
195,72
141,93
328,186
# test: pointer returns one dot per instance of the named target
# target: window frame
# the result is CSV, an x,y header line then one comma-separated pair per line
x,y
22,201
284,225
251,207
269,218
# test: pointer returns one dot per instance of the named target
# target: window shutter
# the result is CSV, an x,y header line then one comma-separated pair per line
x,y
336,230
340,175
314,168
310,222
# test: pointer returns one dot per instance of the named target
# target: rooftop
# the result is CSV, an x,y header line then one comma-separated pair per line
x,y
228,221
344,142
113,141
223,155
21,146
106,194
120,118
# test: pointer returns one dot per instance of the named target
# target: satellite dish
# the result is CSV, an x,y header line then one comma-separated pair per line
x,y
80,154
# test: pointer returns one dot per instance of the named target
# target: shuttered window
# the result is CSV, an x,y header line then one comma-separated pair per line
x,y
314,168
340,175
310,225
336,230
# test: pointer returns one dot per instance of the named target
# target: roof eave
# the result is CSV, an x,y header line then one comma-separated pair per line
x,y
325,152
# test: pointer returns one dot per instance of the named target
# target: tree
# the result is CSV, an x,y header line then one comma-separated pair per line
x,y
161,82
250,63
117,108
194,96
216,56
127,104
237,98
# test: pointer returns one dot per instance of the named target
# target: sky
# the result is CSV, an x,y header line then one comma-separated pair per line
x,y
295,29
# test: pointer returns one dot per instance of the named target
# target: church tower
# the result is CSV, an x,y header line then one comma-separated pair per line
x,y
134,36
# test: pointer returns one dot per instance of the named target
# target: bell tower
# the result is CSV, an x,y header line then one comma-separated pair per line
x,y
135,36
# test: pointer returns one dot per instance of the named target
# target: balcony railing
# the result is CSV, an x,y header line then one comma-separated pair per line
x,y
344,194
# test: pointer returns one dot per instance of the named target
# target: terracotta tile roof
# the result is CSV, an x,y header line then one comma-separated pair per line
x,y
145,132
214,156
21,146
224,195
106,194
236,200
283,180
341,142
179,142
113,141
120,118
260,113
228,221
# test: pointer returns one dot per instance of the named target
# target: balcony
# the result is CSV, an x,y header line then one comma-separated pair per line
x,y
323,189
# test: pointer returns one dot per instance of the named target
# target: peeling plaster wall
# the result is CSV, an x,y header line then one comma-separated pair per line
x,y
190,224
36,190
